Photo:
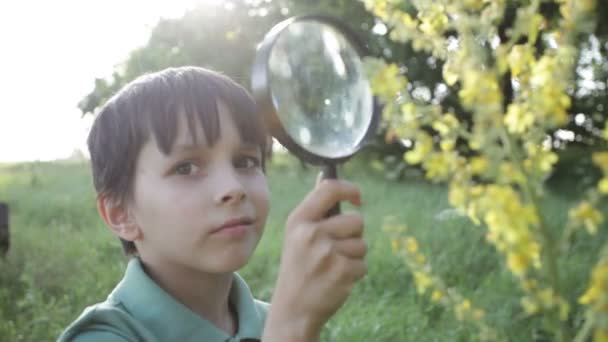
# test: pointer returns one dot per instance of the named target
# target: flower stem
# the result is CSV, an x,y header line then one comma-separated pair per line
x,y
549,251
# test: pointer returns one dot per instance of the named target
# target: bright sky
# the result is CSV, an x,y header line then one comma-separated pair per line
x,y
51,53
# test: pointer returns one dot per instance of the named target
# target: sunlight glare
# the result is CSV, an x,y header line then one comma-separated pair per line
x,y
56,52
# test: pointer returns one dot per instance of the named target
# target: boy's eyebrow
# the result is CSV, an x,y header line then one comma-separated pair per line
x,y
187,147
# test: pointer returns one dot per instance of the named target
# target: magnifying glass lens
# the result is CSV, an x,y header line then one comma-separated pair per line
x,y
322,97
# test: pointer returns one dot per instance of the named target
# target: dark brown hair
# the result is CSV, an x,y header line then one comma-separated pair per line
x,y
152,103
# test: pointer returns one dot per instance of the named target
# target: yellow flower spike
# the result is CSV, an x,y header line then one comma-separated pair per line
x,y
602,186
395,245
478,165
465,305
529,305
411,245
585,214
437,166
546,298
436,296
457,196
462,309
519,59
605,132
601,160
433,20
518,263
424,145
420,259
388,82
450,75
408,111
590,296
423,282
518,120
546,161
447,145
600,335
564,310
407,21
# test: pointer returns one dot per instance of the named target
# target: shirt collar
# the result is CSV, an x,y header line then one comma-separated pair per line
x,y
170,320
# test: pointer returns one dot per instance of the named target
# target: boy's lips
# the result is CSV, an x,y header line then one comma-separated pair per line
x,y
239,223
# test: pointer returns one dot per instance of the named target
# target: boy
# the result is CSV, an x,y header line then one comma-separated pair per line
x,y
178,165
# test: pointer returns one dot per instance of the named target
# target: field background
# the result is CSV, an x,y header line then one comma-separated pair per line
x,y
62,258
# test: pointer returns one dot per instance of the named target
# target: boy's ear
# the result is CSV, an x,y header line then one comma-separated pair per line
x,y
118,218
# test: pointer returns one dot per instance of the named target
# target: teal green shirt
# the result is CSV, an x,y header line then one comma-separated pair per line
x,y
139,310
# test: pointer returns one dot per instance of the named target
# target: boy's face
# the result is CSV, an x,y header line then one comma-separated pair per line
x,y
200,207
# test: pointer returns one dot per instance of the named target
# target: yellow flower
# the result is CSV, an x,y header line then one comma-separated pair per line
x,y
546,297
420,259
530,305
423,147
395,245
478,165
518,263
600,335
598,285
450,75
480,89
411,245
585,214
519,59
388,82
605,132
518,120
436,296
437,166
462,309
457,195
601,160
447,144
406,20
590,296
602,186
564,309
433,20
408,111
508,173
423,281
446,124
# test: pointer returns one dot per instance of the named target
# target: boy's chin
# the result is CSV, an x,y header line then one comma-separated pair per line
x,y
228,265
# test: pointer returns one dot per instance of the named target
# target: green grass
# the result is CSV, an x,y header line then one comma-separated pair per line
x,y
63,259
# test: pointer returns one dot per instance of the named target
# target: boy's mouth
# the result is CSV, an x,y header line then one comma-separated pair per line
x,y
239,223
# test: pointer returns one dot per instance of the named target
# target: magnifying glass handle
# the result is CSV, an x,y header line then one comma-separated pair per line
x,y
331,172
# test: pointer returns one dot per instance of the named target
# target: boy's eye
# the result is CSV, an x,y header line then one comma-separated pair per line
x,y
186,168
246,162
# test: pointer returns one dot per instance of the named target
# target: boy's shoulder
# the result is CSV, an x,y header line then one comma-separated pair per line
x,y
105,322
139,310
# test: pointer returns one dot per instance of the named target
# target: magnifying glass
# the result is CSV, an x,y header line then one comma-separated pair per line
x,y
309,84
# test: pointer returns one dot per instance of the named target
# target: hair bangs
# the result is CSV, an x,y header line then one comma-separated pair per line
x,y
196,97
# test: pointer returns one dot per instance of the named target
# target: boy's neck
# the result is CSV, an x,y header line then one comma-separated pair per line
x,y
205,294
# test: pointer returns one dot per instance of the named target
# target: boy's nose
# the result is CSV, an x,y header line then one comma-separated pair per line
x,y
233,196
230,190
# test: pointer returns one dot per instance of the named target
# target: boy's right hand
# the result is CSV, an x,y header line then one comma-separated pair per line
x,y
322,259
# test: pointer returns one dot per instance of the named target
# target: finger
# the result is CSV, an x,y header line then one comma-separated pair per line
x,y
352,269
324,196
348,225
352,248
